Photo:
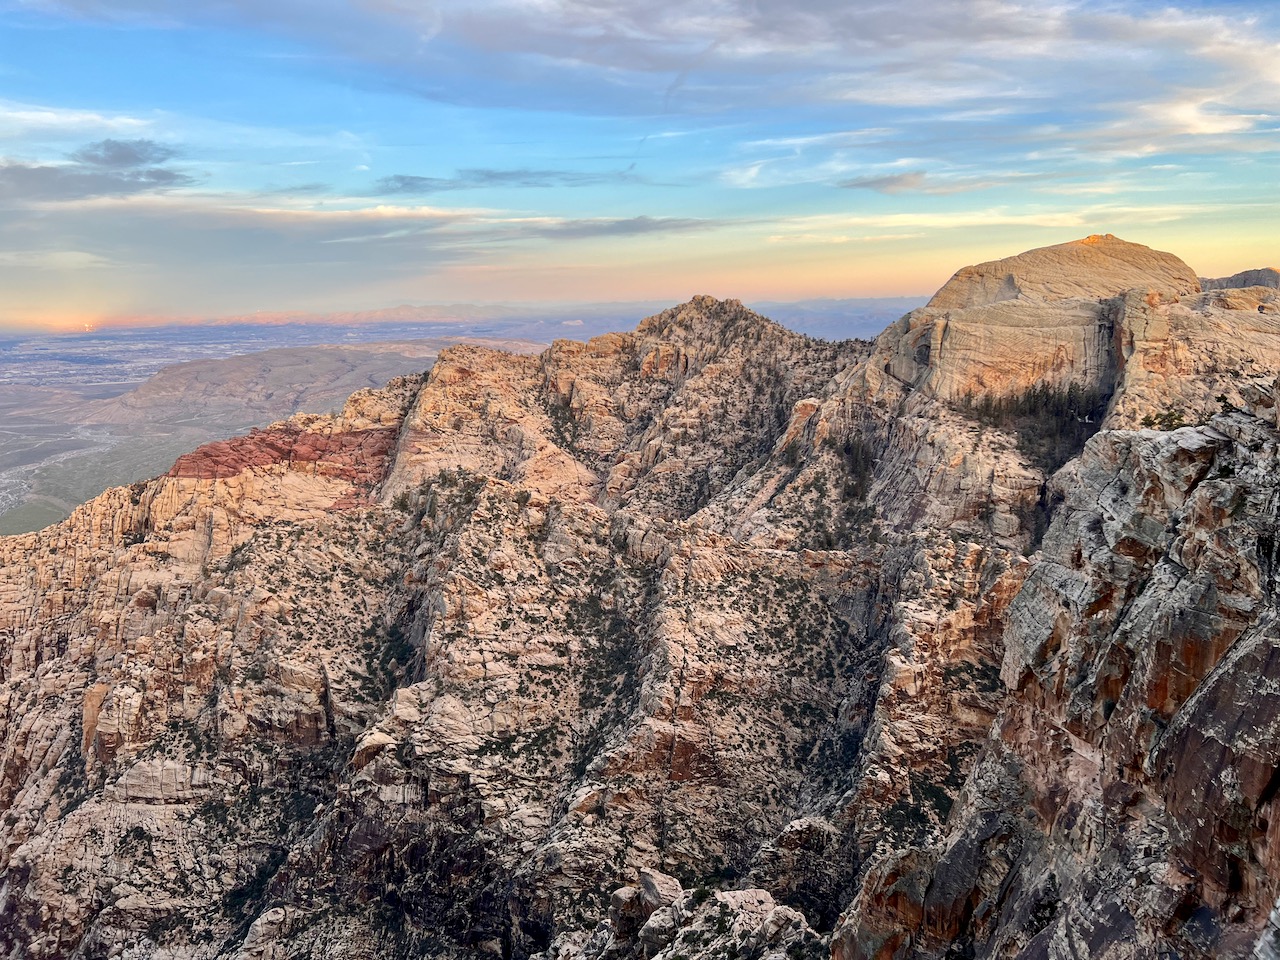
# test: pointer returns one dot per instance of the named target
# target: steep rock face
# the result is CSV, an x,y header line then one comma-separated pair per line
x,y
557,670
1113,317
150,685
1039,317
1123,806
1181,358
702,640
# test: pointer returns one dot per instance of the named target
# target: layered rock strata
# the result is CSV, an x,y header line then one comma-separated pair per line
x,y
703,640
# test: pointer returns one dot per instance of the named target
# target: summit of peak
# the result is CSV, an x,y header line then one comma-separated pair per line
x,y
701,317
1095,267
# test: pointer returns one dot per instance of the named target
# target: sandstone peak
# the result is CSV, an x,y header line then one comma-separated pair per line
x,y
703,319
737,618
1097,267
1263,277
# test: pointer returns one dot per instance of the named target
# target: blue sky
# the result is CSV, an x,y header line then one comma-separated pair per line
x,y
160,159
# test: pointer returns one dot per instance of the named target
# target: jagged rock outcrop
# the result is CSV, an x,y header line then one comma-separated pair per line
x,y
702,640
1123,804
1110,316
1041,317
1264,277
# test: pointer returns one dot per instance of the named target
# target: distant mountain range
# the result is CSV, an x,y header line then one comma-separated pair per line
x,y
826,318
83,415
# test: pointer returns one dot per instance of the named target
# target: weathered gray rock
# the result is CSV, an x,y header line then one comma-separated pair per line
x,y
703,640
1264,277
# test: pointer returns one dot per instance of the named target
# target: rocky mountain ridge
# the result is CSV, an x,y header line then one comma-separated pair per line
x,y
91,444
705,640
1264,277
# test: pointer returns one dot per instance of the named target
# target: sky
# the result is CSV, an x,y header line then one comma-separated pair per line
x,y
166,159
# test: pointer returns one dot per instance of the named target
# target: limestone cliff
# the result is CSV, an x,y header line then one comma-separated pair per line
x,y
703,640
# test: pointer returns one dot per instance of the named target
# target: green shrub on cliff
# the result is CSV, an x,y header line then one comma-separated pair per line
x,y
1051,423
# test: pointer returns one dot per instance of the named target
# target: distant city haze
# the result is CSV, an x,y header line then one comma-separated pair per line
x,y
165,163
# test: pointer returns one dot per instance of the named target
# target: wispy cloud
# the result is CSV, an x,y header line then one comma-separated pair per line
x,y
852,225
123,154
951,182
21,120
954,62
1048,216
477,178
106,168
829,238
204,253
52,260
988,117
620,227
890,183
833,139
413,185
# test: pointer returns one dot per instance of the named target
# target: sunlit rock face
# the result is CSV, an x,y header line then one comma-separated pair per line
x,y
1113,316
703,640
1265,277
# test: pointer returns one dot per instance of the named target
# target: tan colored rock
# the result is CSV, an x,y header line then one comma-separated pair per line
x,y
1264,277
1095,268
159,781
710,601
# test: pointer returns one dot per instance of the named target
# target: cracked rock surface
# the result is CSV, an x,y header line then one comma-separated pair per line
x,y
704,640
